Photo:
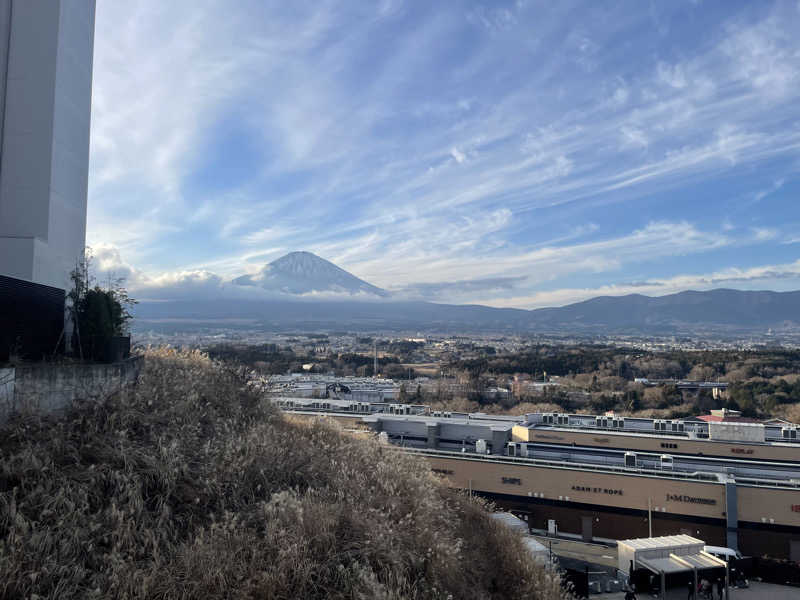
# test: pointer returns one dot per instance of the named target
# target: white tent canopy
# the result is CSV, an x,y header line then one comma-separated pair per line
x,y
666,555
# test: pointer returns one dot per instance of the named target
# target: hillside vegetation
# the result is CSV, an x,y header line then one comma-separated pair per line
x,y
190,486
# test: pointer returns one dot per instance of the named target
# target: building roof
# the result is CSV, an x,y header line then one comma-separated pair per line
x,y
511,521
777,421
662,542
536,548
719,419
726,415
681,564
665,565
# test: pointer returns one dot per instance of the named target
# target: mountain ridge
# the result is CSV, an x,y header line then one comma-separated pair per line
x,y
722,306
692,312
306,290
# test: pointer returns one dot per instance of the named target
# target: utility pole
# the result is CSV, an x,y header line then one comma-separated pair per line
x,y
649,517
375,361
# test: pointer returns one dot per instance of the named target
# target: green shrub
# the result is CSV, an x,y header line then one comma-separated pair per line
x,y
191,486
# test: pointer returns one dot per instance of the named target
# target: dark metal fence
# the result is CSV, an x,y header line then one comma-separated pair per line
x,y
577,582
31,319
771,570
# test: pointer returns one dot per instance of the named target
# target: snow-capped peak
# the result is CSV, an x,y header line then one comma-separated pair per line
x,y
303,273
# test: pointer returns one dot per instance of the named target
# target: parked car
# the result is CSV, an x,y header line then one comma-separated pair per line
x,y
722,552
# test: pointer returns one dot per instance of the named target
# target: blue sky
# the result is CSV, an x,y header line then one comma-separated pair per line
x,y
518,154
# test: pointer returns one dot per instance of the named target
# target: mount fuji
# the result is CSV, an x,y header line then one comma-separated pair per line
x,y
305,273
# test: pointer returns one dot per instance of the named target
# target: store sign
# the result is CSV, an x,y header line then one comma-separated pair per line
x,y
596,490
512,480
442,471
796,508
690,499
742,450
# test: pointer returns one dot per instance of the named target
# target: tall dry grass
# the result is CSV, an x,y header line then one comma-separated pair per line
x,y
190,486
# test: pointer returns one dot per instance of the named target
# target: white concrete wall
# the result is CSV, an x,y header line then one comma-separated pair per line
x,y
45,137
740,432
5,29
70,163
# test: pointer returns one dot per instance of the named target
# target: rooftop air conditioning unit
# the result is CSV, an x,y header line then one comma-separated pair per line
x,y
481,447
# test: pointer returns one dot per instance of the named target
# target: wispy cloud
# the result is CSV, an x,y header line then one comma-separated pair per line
x,y
776,185
456,289
420,145
415,271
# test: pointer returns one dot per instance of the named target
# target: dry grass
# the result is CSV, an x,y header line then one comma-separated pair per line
x,y
189,486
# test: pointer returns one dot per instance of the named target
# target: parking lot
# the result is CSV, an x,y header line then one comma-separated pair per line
x,y
606,556
756,591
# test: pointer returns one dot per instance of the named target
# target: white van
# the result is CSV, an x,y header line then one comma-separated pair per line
x,y
725,554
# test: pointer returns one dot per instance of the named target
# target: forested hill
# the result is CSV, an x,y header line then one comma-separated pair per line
x,y
730,309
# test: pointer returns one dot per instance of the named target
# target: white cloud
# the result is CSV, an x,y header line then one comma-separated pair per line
x,y
496,18
740,278
348,136
776,185
764,56
423,268
435,253
621,95
672,75
633,137
459,156
763,234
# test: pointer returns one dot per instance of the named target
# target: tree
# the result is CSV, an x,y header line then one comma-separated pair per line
x,y
402,396
97,314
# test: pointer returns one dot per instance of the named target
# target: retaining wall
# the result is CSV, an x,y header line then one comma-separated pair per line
x,y
48,388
